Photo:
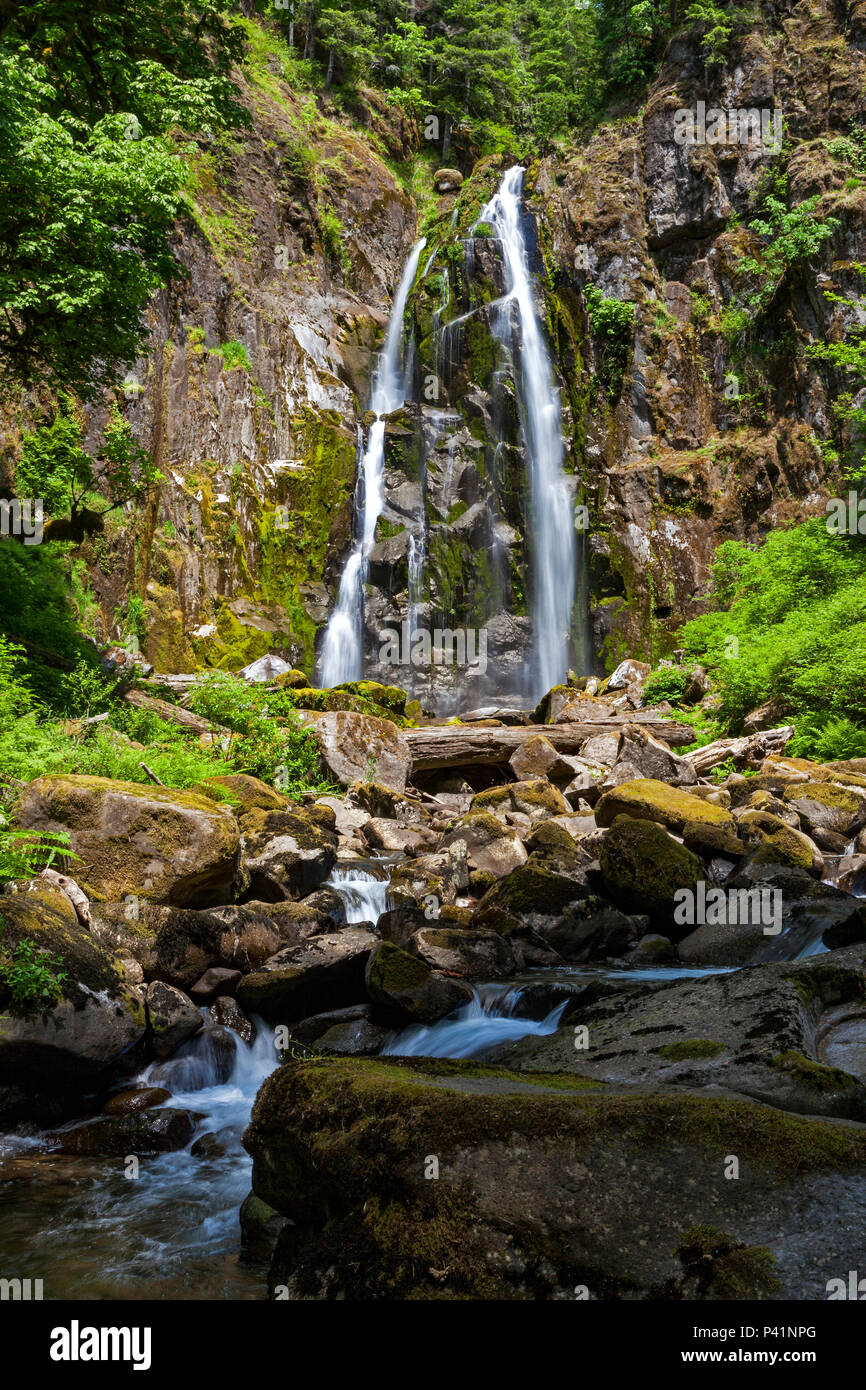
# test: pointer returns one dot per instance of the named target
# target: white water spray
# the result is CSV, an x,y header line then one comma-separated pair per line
x,y
342,656
552,524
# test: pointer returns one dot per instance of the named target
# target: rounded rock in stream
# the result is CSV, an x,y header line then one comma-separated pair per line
x,y
147,1133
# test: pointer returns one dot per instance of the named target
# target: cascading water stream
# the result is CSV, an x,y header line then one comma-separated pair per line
x,y
365,895
172,1231
479,1025
552,534
342,655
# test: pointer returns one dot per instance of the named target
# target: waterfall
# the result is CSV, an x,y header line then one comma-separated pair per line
x,y
487,1020
552,534
342,656
365,896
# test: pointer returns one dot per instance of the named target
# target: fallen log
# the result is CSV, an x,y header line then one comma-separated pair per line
x,y
461,745
174,714
749,750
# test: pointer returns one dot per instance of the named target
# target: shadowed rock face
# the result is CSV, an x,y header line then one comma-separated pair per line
x,y
542,1189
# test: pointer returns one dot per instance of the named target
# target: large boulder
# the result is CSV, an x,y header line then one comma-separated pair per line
x,y
172,1017
355,747
163,845
648,799
475,955
643,867
775,842
604,1195
248,793
326,972
652,758
93,1019
146,1133
536,800
826,806
752,1032
287,854
534,895
405,989
178,944
490,846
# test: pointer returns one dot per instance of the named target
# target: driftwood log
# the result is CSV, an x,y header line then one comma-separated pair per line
x,y
174,714
461,745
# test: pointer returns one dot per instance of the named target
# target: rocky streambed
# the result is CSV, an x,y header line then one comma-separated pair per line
x,y
566,1024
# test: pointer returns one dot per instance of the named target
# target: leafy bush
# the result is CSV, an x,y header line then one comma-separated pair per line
x,y
272,742
610,322
233,355
668,683
792,622
793,236
828,740
30,975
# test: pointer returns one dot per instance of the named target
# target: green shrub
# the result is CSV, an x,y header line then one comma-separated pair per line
x,y
610,322
271,742
30,976
668,683
791,622
233,355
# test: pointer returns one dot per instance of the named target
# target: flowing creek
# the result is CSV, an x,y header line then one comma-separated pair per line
x,y
173,1232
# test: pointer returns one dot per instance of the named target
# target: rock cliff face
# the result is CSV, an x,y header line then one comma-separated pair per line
x,y
258,376
255,391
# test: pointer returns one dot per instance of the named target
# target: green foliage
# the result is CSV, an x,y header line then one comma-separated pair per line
x,y
828,739
272,743
848,357
611,323
30,976
667,683
718,23
55,466
90,178
793,236
25,853
333,236
233,355
796,608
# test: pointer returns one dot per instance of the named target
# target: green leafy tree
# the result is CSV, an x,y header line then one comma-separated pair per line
x,y
84,219
77,488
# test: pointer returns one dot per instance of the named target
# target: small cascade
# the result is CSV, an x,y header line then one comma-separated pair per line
x,y
489,1019
342,655
365,895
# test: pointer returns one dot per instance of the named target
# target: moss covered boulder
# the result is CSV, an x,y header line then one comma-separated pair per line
x,y
164,845
356,747
643,867
430,1179
535,893
537,799
324,973
647,799
87,1021
490,846
287,854
405,989
826,806
775,842
726,1031
245,792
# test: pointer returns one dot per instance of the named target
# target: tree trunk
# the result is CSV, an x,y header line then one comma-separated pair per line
x,y
330,77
